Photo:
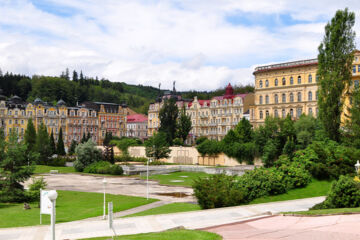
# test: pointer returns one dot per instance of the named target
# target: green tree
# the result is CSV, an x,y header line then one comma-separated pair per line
x,y
168,119
52,143
60,149
244,130
124,143
72,147
14,168
183,125
87,153
75,77
305,128
42,145
30,136
352,136
157,146
336,54
107,139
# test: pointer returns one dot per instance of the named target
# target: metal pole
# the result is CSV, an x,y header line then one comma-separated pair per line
x,y
147,180
104,216
53,219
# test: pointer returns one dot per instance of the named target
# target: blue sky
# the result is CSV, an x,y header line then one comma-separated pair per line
x,y
201,44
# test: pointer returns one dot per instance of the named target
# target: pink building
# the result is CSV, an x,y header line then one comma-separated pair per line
x,y
137,126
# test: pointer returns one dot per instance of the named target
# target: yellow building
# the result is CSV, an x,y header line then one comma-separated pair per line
x,y
289,88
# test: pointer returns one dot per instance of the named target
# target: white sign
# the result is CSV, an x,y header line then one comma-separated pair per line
x,y
45,203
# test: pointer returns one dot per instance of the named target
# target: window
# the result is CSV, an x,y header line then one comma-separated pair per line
x,y
317,78
267,113
267,83
317,95
310,96
260,84
356,83
283,81
354,68
283,113
291,112
276,113
310,78
299,96
291,97
276,81
261,115
298,112
358,68
299,79
291,80
276,98
261,100
267,99
310,111
283,98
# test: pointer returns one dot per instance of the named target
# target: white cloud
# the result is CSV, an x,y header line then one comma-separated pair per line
x,y
147,42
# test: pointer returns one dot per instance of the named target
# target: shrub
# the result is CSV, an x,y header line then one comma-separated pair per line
x,y
201,139
34,189
127,158
104,167
344,193
295,175
218,191
178,142
87,153
57,161
210,147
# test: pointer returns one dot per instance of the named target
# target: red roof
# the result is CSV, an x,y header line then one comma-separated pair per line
x,y
136,118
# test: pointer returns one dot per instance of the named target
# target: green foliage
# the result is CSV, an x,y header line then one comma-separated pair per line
x,y
352,126
178,142
217,191
335,58
103,167
30,136
270,153
244,131
305,128
14,168
60,149
128,158
124,143
344,193
238,89
87,153
157,147
168,116
42,145
72,147
289,148
107,139
57,161
52,143
183,125
210,147
201,139
35,187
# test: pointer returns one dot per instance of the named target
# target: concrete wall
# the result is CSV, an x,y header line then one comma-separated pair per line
x,y
190,156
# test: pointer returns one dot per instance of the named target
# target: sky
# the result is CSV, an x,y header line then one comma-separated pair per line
x,y
200,44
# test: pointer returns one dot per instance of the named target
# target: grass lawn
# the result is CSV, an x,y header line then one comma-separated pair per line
x,y
187,181
314,189
168,208
46,169
334,211
70,206
167,235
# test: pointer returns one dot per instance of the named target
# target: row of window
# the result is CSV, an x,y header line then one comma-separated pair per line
x,y
283,97
283,113
276,82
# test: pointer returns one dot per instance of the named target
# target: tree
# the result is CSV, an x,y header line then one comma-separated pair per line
x,y
60,149
14,168
336,54
87,153
244,130
353,123
30,136
83,138
67,74
52,143
75,77
168,119
183,125
72,147
157,147
42,145
107,139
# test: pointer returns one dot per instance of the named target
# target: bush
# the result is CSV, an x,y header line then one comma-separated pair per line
x,y
87,153
103,167
295,175
201,139
57,161
344,193
218,191
210,147
178,142
34,189
128,158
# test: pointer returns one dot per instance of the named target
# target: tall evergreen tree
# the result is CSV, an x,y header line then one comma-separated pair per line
x,y
168,119
336,54
72,147
52,143
30,136
81,78
83,138
42,145
88,136
60,149
107,139
184,125
67,74
75,77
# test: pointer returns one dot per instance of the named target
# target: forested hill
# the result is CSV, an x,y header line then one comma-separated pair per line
x,y
79,88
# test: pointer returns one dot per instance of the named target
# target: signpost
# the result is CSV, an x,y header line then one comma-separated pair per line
x,y
111,216
47,206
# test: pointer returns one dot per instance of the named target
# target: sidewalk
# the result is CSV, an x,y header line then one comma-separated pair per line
x,y
155,223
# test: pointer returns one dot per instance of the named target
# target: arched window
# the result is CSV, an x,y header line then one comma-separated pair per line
x,y
310,112
299,96
291,80
298,112
276,81
260,84
261,100
310,78
291,97
276,98
310,96
267,99
283,81
276,113
267,113
267,83
283,113
291,112
261,115
299,79
283,98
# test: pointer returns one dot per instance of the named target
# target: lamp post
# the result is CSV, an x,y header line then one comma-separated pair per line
x,y
104,185
147,179
357,167
52,196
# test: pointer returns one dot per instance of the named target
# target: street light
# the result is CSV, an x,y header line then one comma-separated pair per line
x,y
357,167
104,185
52,195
